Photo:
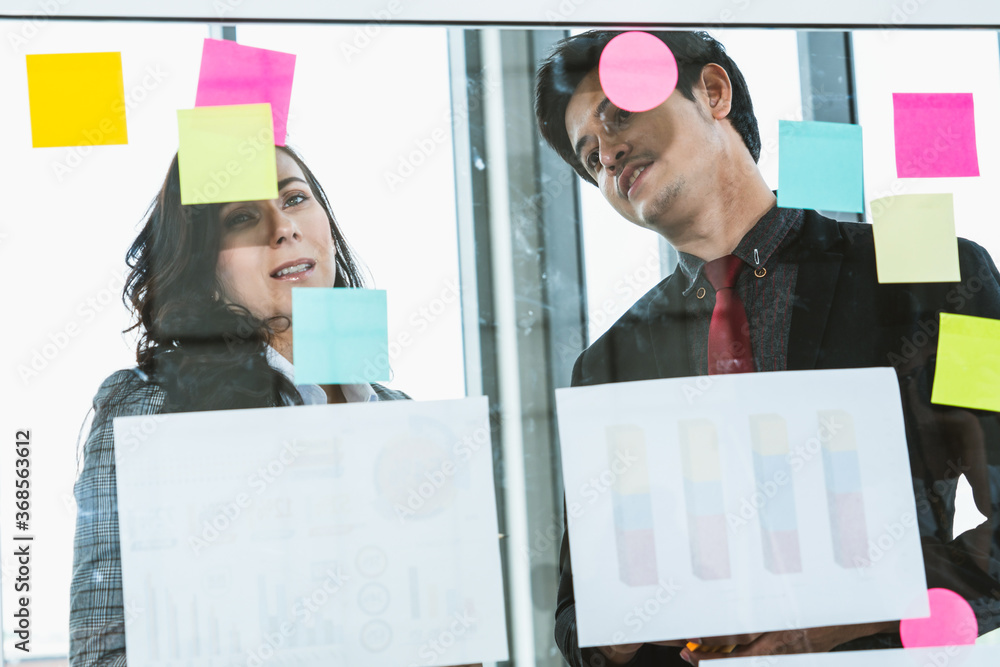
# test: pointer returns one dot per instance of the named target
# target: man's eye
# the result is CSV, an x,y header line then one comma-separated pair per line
x,y
623,115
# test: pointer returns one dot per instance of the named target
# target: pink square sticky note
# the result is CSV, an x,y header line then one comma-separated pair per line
x,y
235,74
935,135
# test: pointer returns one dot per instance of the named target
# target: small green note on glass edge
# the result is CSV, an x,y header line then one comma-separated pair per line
x,y
968,363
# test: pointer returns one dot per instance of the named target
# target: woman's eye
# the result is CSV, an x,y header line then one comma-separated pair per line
x,y
592,160
295,199
623,115
236,220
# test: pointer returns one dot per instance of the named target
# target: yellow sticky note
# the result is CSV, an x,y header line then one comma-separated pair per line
x,y
76,99
968,363
915,239
226,154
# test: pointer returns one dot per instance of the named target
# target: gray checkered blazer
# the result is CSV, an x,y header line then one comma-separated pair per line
x,y
98,617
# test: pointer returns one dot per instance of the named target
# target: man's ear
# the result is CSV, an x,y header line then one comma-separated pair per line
x,y
718,89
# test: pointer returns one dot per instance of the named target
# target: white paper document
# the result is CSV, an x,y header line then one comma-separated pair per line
x,y
727,504
362,534
938,656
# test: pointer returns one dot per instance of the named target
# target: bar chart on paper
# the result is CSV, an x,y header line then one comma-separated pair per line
x,y
633,506
703,496
741,508
844,492
190,626
778,518
308,537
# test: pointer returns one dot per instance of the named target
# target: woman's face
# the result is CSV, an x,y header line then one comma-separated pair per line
x,y
272,245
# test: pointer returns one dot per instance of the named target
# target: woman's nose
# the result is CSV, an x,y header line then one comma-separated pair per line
x,y
283,228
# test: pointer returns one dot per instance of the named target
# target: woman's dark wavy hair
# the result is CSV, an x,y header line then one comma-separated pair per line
x,y
204,353
575,57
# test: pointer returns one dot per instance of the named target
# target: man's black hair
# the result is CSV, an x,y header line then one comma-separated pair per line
x,y
574,58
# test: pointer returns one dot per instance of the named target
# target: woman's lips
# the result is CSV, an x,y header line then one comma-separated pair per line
x,y
297,275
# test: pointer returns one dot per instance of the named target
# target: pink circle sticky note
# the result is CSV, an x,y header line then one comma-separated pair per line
x,y
637,71
951,623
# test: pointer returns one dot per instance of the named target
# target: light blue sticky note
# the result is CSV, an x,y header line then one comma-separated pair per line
x,y
820,166
340,335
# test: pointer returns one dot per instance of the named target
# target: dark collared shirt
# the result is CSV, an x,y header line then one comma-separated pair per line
x,y
767,298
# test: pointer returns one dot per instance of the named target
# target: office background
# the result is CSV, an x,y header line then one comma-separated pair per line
x,y
500,264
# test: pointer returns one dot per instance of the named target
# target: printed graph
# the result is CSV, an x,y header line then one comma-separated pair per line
x,y
703,495
632,504
182,627
764,491
844,492
778,520
299,553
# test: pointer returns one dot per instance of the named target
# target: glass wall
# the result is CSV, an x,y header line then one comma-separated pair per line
x,y
500,265
75,212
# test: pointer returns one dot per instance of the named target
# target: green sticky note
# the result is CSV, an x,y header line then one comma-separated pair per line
x,y
820,166
968,363
340,335
915,239
227,154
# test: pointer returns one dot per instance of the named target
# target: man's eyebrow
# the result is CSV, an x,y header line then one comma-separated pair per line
x,y
601,108
282,183
598,113
579,147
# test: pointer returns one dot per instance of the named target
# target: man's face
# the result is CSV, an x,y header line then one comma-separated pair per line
x,y
653,167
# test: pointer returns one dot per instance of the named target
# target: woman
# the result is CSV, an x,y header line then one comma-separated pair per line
x,y
210,288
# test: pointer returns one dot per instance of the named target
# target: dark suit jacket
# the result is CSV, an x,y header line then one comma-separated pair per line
x,y
843,318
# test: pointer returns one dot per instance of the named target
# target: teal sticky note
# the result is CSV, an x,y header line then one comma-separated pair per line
x,y
820,166
340,335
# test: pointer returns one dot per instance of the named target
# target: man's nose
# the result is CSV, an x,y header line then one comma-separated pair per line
x,y
613,156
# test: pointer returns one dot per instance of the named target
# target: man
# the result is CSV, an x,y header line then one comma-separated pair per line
x,y
759,288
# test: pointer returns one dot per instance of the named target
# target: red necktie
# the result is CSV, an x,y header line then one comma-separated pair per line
x,y
729,349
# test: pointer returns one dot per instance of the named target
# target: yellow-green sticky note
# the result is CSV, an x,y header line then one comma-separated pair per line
x,y
76,99
226,154
915,239
968,363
